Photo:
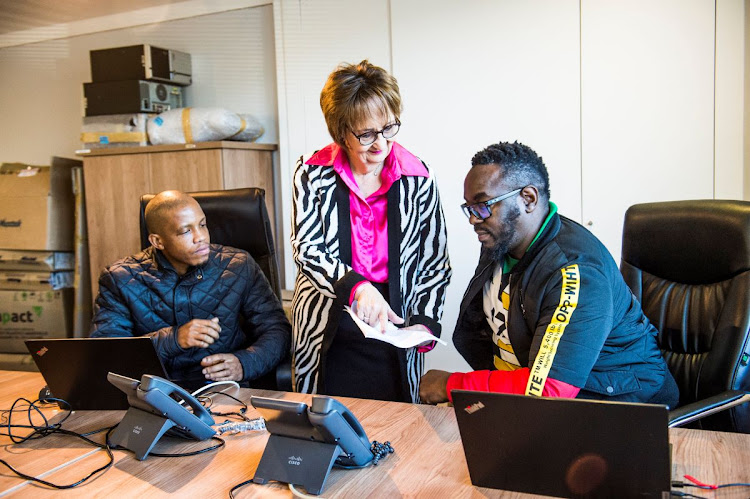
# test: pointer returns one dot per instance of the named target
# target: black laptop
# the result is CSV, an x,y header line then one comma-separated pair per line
x,y
75,369
564,447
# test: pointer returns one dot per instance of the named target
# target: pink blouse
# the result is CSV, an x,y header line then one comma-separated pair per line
x,y
369,216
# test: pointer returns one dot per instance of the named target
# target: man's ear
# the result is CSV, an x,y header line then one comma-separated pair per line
x,y
155,240
530,196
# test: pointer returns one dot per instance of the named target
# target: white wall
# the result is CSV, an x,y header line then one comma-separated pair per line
x,y
647,107
41,87
307,50
486,72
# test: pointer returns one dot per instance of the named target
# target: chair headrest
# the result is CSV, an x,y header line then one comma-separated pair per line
x,y
235,217
692,242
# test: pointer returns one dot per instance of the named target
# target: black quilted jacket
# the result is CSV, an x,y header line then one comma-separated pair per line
x,y
142,295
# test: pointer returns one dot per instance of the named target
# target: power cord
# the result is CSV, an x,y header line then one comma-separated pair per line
x,y
701,485
41,431
379,451
214,385
182,454
47,428
208,402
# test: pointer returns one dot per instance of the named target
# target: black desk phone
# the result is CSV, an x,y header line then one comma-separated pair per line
x,y
305,442
327,420
156,406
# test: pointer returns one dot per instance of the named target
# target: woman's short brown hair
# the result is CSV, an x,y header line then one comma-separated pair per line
x,y
354,93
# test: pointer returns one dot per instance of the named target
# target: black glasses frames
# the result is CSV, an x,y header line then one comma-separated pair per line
x,y
369,137
482,210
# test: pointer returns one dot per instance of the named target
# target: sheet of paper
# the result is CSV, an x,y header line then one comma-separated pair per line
x,y
401,338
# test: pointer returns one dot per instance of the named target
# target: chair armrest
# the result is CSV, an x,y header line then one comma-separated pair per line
x,y
697,410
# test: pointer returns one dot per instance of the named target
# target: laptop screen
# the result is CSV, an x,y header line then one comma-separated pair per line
x,y
564,447
75,369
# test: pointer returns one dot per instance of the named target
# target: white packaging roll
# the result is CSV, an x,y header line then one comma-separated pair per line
x,y
250,129
193,124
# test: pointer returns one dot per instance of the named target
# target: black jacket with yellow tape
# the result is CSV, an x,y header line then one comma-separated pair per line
x,y
572,318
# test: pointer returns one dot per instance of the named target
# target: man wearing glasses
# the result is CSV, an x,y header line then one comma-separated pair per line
x,y
547,312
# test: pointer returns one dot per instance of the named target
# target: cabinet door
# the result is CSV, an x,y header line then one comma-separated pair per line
x,y
114,185
244,168
188,171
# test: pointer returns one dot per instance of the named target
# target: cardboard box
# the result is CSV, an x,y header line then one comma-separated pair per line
x,y
38,261
31,314
37,206
21,280
115,130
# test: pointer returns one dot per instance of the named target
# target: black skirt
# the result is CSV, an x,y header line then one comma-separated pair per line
x,y
359,367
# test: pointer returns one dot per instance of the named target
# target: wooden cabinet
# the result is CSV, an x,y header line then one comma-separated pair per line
x,y
115,179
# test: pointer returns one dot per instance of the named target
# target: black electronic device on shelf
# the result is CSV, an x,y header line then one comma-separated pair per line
x,y
141,62
130,97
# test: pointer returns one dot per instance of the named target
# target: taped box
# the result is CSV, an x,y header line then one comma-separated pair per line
x,y
29,314
39,261
115,130
41,281
36,207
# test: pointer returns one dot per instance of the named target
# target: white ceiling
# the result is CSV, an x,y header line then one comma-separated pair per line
x,y
20,15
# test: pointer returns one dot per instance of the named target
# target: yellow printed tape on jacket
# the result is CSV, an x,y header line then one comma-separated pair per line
x,y
571,286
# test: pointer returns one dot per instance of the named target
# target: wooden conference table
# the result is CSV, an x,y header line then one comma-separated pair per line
x,y
428,462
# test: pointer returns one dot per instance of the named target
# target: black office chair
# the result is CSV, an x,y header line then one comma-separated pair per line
x,y
238,218
688,263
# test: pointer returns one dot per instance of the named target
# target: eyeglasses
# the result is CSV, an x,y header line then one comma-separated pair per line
x,y
371,136
482,210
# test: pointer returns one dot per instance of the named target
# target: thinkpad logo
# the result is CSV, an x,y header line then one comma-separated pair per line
x,y
10,223
474,407
296,461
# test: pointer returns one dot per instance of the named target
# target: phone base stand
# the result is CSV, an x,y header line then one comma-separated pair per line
x,y
139,431
296,461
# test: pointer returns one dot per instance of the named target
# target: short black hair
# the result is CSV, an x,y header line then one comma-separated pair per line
x,y
519,164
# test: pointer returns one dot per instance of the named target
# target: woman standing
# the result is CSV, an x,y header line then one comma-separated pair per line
x,y
368,227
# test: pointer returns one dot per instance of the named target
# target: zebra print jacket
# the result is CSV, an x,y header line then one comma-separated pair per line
x,y
418,266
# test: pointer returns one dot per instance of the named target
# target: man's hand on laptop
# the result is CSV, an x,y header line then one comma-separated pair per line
x,y
222,367
198,333
433,387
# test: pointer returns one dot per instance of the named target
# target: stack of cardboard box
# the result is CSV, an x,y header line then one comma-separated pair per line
x,y
36,253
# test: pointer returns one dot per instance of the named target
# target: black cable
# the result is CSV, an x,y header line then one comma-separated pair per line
x,y
194,453
40,431
233,489
240,414
379,451
685,494
48,429
183,454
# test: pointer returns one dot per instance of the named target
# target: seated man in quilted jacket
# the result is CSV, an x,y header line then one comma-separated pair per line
x,y
190,297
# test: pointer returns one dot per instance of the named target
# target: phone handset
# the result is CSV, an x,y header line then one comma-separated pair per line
x,y
158,396
337,424
155,386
